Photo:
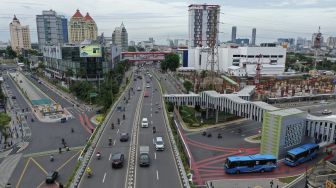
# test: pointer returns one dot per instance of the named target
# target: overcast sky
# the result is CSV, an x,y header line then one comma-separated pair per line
x,y
164,19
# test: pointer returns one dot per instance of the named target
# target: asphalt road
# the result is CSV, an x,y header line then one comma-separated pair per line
x,y
103,174
162,171
46,137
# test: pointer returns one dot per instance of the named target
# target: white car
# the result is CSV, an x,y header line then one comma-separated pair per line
x,y
159,144
326,112
147,86
139,89
144,122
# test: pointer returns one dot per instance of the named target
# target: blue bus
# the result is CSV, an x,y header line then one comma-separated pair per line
x,y
301,154
251,163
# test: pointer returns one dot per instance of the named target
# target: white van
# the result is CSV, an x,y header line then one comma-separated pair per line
x,y
144,123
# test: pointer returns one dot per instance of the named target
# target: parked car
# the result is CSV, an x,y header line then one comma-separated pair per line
x,y
117,160
51,177
159,144
124,137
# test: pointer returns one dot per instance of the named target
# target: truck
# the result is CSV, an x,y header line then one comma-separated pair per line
x,y
144,159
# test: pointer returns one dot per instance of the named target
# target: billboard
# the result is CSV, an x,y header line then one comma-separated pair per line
x,y
90,51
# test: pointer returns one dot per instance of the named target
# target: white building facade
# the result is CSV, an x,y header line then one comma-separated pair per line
x,y
242,61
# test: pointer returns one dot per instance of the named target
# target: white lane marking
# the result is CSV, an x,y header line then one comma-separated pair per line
x,y
117,131
157,175
104,177
154,155
151,115
114,142
110,156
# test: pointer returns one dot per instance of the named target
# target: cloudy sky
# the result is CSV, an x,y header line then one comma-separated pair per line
x,y
164,19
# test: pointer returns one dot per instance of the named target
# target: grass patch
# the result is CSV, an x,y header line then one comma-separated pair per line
x,y
256,138
100,118
288,179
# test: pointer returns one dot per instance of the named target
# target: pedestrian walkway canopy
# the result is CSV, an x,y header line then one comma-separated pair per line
x,y
44,101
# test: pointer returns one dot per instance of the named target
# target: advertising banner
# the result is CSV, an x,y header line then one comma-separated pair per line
x,y
90,51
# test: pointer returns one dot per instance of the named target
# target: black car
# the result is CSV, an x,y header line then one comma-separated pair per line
x,y
124,137
51,177
117,160
13,97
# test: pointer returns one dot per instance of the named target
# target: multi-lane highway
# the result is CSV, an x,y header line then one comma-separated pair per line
x,y
162,170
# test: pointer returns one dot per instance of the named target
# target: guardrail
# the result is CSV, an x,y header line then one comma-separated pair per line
x,y
182,172
87,152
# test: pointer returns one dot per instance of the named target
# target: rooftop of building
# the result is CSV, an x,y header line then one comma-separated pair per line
x,y
331,118
247,90
77,14
286,112
87,17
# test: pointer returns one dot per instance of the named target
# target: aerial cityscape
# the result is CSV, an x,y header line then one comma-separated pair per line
x,y
156,94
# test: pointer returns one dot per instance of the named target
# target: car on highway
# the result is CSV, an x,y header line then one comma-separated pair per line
x,y
147,86
51,177
144,122
146,94
118,160
124,137
326,112
139,89
159,144
13,97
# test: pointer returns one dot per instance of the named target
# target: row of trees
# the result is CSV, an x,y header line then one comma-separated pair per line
x,y
4,125
108,89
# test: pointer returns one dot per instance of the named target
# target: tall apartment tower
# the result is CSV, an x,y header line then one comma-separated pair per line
x,y
234,34
52,29
20,35
82,28
254,35
120,37
200,23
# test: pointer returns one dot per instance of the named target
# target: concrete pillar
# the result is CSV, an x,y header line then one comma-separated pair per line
x,y
207,114
217,116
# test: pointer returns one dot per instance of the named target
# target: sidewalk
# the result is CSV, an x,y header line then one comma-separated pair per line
x,y
245,183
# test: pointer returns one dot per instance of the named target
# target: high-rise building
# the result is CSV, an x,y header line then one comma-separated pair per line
x,y
82,28
242,42
331,42
234,34
202,19
120,37
20,35
300,41
254,35
52,29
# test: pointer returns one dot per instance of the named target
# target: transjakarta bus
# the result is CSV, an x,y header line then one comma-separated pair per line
x,y
301,154
251,163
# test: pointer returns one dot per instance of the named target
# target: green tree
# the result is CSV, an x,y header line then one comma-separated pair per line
x,y
131,49
4,124
173,61
81,72
164,66
10,53
69,73
140,49
188,85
